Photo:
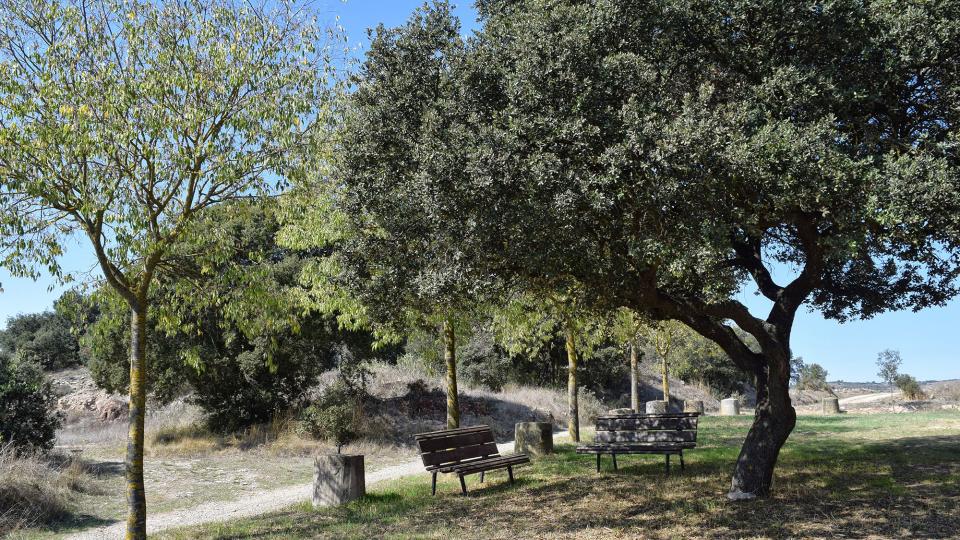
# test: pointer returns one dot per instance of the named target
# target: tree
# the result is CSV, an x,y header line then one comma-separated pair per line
x,y
909,386
44,338
121,121
395,284
889,362
529,321
661,335
813,377
665,155
28,420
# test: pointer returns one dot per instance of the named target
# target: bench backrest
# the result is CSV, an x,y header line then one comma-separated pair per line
x,y
643,428
453,446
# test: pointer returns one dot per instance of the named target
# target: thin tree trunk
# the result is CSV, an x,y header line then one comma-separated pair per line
x,y
450,356
573,422
634,378
775,418
136,497
666,380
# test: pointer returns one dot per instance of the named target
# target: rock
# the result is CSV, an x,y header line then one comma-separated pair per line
x,y
729,407
656,407
110,408
693,405
831,405
534,438
337,479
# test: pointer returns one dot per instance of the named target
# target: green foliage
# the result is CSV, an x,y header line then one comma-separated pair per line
x,y
909,386
229,334
42,338
335,416
812,377
27,416
889,362
695,359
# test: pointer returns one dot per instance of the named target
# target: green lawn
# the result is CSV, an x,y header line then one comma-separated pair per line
x,y
876,476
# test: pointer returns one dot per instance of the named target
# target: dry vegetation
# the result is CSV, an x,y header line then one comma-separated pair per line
x,y
38,489
853,476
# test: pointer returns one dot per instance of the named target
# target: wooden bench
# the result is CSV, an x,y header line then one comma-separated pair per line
x,y
667,434
464,451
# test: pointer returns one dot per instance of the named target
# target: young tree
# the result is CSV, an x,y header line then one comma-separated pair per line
x,y
665,155
889,362
121,121
529,321
661,335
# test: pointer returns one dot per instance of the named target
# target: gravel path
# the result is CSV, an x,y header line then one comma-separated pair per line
x,y
867,398
258,503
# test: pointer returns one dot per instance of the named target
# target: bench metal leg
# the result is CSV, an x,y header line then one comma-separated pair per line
x,y
614,456
434,486
681,461
510,473
598,462
481,476
463,485
668,464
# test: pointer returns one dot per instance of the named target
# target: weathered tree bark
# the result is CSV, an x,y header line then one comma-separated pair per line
x,y
450,357
773,421
634,378
136,496
666,379
573,423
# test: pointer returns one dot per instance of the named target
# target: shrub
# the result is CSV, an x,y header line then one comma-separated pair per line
x,y
813,377
334,417
909,386
43,338
27,419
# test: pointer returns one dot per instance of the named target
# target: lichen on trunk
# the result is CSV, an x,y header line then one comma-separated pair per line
x,y
136,496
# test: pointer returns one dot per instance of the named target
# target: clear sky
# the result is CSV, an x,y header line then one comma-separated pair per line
x,y
926,340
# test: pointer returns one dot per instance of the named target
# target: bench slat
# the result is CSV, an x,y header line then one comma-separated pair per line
x,y
639,448
487,464
459,454
455,441
449,432
644,436
647,423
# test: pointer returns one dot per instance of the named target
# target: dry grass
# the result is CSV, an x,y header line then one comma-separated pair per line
x,y
38,489
850,476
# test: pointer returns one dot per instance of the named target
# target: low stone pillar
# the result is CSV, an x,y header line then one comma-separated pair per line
x,y
534,438
729,407
337,479
656,407
831,405
693,405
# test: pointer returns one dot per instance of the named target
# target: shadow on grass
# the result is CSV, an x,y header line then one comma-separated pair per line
x,y
824,487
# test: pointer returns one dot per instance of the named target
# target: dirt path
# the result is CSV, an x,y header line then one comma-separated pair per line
x,y
867,398
257,503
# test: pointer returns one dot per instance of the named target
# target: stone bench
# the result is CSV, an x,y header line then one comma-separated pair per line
x,y
667,434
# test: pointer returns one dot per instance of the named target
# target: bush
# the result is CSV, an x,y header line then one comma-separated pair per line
x,y
27,419
334,417
910,387
42,338
813,377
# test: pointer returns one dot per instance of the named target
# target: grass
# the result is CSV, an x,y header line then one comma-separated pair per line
x,y
861,476
38,489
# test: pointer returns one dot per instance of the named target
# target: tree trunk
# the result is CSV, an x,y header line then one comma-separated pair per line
x,y
634,378
573,422
666,379
450,356
775,418
136,497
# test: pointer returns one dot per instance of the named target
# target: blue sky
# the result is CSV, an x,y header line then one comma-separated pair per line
x,y
926,340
